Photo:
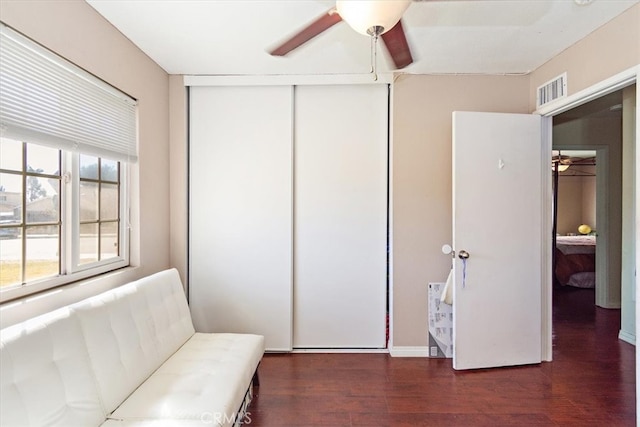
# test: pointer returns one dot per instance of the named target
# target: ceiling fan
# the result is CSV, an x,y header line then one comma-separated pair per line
x,y
375,18
560,162
563,162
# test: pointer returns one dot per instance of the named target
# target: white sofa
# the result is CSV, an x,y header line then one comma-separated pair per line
x,y
127,357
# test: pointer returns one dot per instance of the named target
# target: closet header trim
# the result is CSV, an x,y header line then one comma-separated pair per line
x,y
288,80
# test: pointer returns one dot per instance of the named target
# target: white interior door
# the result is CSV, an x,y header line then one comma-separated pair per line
x,y
340,205
240,267
498,219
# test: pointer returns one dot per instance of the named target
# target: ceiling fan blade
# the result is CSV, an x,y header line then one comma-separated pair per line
x,y
585,161
396,42
316,27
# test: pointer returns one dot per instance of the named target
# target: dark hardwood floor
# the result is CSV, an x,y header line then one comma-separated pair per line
x,y
591,382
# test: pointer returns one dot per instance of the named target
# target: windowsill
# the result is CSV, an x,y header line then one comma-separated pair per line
x,y
23,308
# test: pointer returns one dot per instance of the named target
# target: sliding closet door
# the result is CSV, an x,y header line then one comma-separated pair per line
x,y
340,209
241,211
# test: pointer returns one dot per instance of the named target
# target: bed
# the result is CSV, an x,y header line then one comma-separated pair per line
x,y
575,261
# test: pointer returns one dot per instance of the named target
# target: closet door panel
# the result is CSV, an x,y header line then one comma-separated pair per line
x,y
241,211
340,209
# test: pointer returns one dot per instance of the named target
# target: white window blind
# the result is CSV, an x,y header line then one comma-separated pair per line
x,y
47,100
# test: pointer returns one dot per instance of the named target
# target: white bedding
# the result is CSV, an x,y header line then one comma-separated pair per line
x,y
576,244
585,279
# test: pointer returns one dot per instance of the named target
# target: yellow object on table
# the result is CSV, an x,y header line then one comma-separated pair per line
x,y
584,229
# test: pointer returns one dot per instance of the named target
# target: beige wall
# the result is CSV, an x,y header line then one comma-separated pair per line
x,y
610,49
576,200
589,199
178,172
74,30
421,182
569,204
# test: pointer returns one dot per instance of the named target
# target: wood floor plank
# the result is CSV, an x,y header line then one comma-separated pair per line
x,y
591,382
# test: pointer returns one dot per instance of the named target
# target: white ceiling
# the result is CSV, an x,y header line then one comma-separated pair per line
x,y
217,37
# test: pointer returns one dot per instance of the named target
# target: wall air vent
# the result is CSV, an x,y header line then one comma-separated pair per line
x,y
552,90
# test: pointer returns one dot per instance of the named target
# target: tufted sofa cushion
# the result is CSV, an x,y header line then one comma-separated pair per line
x,y
188,385
46,376
131,330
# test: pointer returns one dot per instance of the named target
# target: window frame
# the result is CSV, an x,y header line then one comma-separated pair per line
x,y
70,269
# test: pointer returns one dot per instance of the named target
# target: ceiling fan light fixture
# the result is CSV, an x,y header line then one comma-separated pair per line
x,y
560,165
364,16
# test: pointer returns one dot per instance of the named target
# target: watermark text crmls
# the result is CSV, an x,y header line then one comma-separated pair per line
x,y
221,418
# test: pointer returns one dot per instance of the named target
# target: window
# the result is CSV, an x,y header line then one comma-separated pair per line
x,y
61,216
66,145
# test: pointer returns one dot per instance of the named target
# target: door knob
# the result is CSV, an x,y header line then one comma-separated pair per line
x,y
463,254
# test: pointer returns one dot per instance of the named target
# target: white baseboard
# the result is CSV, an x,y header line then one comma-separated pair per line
x,y
409,351
627,337
339,350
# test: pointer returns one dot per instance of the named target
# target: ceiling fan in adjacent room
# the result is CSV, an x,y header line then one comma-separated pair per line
x,y
563,162
375,18
560,162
